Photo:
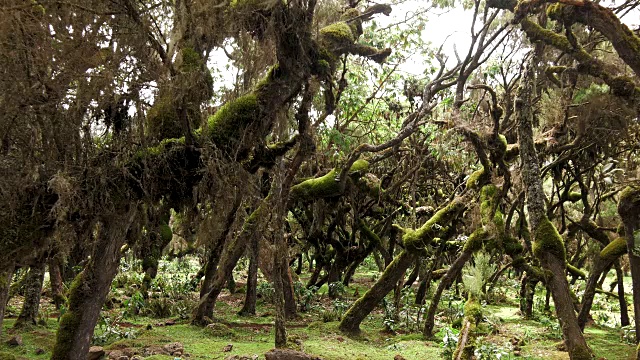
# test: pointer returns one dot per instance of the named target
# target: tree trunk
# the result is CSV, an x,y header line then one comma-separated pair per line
x,y
362,307
89,289
5,284
249,307
548,246
280,267
290,305
228,260
55,278
445,282
590,291
33,289
624,312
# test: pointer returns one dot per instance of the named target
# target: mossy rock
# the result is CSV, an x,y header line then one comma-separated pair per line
x,y
548,240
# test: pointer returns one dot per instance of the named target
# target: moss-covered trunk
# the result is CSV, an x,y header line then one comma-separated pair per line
x,y
5,285
590,291
445,282
629,210
89,289
548,245
33,288
362,307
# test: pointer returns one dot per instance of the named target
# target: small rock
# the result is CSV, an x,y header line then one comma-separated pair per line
x,y
399,357
285,354
516,353
149,327
175,348
115,355
15,341
40,351
170,322
95,353
227,348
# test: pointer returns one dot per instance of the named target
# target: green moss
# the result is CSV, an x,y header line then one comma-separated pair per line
x,y
512,246
417,240
548,240
574,196
338,34
165,233
325,186
191,60
475,241
162,118
473,310
476,179
274,73
554,11
614,250
227,125
575,271
5,356
518,261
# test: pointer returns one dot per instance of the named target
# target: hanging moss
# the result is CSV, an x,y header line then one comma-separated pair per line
x,y
226,127
162,118
614,250
548,240
475,241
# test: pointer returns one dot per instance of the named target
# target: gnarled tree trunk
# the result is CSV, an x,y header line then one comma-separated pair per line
x,y
5,285
548,246
33,289
90,287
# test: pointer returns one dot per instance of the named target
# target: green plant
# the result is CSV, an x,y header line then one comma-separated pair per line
x,y
133,305
265,291
488,351
449,342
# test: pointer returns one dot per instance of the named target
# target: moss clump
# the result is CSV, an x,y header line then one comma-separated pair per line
x,y
476,179
475,241
575,271
512,246
191,60
162,118
325,186
338,34
226,127
417,240
574,196
166,234
614,250
473,311
548,240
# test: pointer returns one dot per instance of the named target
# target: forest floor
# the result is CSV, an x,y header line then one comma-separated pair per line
x,y
132,326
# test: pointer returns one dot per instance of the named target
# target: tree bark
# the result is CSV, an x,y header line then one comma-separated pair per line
x,y
55,278
445,282
249,307
629,210
624,312
548,245
33,289
362,307
90,287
